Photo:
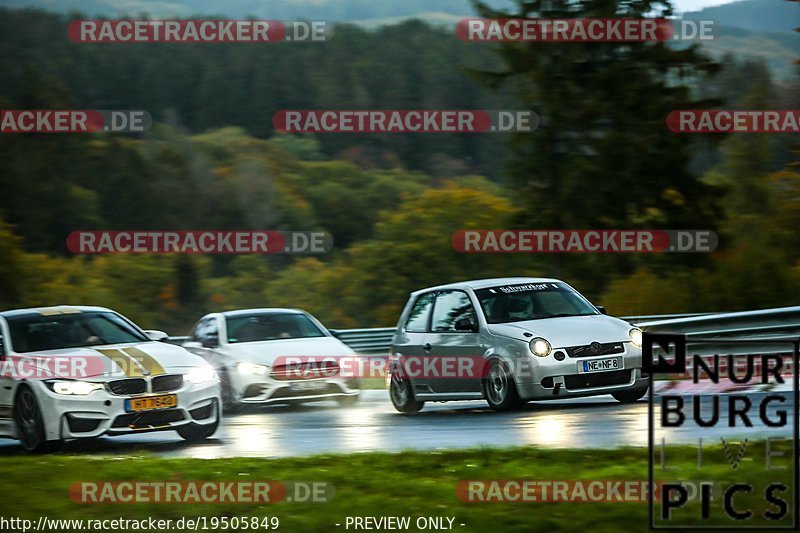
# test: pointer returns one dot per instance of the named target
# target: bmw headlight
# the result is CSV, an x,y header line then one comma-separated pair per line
x,y
540,347
201,374
636,337
252,368
73,388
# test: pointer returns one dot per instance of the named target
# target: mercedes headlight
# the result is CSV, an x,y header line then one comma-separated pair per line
x,y
73,388
201,374
636,337
540,347
252,368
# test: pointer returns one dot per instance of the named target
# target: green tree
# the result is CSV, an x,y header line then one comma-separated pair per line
x,y
741,175
602,156
346,199
412,249
13,274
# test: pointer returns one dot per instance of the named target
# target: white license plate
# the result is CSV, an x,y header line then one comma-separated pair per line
x,y
308,386
600,365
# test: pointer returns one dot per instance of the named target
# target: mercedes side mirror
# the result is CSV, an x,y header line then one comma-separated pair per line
x,y
211,341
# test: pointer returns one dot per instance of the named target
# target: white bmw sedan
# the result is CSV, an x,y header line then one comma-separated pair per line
x,y
266,356
78,372
508,341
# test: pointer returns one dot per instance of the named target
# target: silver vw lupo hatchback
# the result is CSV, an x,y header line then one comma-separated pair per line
x,y
508,341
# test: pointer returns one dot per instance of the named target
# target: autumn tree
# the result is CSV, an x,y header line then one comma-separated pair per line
x,y
602,156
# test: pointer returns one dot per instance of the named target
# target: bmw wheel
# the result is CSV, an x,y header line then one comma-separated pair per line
x,y
30,423
197,432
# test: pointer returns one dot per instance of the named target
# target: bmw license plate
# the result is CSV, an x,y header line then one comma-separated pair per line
x,y
151,403
601,365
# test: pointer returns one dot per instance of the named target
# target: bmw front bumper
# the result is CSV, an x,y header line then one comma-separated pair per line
x,y
103,413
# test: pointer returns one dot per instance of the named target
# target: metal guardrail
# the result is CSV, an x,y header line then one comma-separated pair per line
x,y
368,341
779,323
636,319
729,332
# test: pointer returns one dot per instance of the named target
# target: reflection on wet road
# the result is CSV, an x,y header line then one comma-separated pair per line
x,y
374,425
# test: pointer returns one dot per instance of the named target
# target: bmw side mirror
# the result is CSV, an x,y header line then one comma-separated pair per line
x,y
465,324
156,335
601,309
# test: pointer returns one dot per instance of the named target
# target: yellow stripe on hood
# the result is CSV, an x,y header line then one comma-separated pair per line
x,y
132,361
146,360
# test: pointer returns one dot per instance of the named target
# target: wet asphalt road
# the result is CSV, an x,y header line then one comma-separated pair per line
x,y
374,425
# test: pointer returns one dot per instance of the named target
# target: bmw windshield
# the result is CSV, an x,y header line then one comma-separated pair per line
x,y
37,333
532,301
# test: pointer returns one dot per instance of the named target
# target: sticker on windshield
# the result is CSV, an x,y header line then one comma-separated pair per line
x,y
508,289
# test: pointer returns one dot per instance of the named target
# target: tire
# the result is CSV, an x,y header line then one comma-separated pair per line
x,y
499,387
230,405
30,423
197,432
402,396
347,401
630,395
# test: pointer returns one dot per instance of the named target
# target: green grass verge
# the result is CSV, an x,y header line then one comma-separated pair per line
x,y
371,484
